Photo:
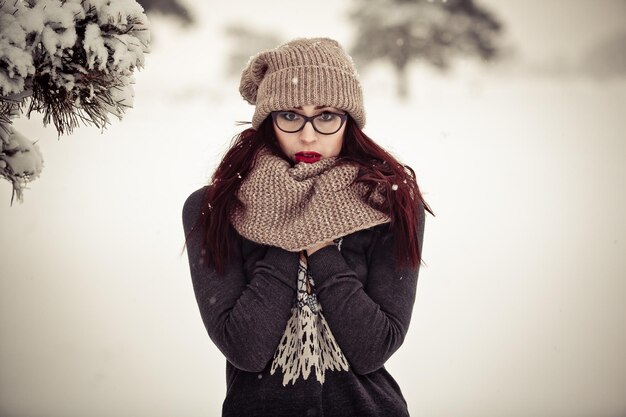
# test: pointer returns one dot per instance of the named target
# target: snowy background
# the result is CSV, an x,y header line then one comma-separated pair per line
x,y
521,306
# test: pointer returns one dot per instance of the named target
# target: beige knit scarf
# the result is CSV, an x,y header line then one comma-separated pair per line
x,y
296,207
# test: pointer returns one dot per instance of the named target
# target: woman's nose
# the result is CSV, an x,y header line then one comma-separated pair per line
x,y
308,134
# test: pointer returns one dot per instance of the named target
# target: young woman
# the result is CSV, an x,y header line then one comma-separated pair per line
x,y
304,249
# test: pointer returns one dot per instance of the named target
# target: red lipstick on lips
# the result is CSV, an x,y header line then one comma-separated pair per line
x,y
308,157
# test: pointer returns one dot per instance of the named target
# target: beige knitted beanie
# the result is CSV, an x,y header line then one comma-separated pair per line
x,y
302,72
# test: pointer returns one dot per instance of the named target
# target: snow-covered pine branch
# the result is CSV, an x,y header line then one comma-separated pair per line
x,y
72,61
20,159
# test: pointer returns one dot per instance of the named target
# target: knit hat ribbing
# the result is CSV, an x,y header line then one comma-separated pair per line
x,y
314,71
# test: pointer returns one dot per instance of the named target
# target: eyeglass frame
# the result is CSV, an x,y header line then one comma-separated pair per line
x,y
307,119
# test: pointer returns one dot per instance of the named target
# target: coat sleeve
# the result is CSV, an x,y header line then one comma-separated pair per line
x,y
245,320
369,323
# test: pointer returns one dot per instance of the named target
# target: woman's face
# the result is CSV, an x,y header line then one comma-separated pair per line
x,y
307,145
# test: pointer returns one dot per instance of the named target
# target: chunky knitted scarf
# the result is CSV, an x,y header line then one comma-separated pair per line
x,y
296,207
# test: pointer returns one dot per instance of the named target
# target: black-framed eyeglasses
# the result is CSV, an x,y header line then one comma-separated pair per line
x,y
325,123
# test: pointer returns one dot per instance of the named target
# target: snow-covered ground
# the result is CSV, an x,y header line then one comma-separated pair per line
x,y
520,308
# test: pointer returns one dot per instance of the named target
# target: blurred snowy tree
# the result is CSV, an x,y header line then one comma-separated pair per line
x,y
246,42
171,8
72,61
430,31
607,59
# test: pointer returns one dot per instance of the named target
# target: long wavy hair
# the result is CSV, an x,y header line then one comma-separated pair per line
x,y
378,170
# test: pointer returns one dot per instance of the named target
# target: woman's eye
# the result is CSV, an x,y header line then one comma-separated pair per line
x,y
290,116
327,117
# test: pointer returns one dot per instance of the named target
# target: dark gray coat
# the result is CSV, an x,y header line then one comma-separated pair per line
x,y
366,301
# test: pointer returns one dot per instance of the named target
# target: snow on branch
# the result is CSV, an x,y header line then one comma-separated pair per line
x,y
71,60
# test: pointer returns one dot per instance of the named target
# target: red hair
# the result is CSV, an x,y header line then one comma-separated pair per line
x,y
378,170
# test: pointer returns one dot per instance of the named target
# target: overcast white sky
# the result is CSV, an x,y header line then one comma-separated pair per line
x,y
520,309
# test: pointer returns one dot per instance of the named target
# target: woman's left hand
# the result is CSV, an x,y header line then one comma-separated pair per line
x,y
312,249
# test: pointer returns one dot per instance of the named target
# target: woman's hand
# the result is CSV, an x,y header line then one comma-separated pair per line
x,y
312,249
